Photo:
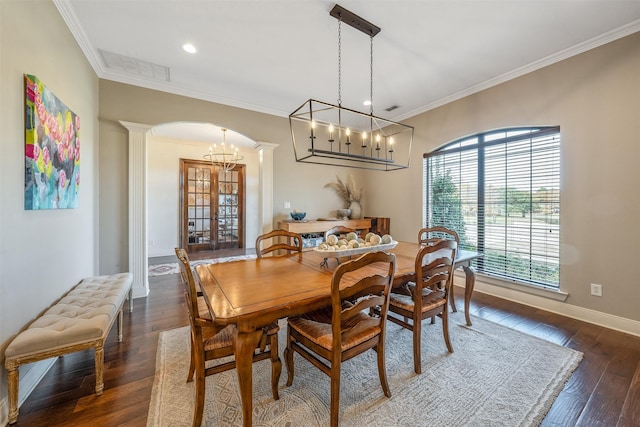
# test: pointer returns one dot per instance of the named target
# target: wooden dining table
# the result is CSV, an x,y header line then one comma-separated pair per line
x,y
250,294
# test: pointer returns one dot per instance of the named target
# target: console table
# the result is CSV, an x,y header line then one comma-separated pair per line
x,y
304,227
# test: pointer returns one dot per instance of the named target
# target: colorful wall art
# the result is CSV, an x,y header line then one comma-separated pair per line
x,y
52,150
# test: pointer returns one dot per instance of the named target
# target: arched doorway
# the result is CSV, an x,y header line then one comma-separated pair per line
x,y
140,140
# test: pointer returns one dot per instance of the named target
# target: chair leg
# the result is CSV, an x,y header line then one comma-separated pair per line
x,y
452,300
382,369
417,330
276,366
200,383
288,357
191,361
335,392
445,328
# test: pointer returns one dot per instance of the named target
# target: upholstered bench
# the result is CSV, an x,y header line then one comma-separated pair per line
x,y
80,320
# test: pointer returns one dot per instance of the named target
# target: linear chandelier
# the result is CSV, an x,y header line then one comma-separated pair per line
x,y
324,133
226,157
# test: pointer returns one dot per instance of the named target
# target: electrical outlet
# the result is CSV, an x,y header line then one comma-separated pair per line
x,y
287,205
596,290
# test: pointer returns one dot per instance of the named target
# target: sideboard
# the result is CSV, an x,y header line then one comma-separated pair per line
x,y
304,227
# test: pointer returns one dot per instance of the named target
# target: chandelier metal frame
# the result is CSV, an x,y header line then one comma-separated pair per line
x,y
324,133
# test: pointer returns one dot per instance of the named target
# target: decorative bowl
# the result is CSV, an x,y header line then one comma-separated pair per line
x,y
343,213
298,216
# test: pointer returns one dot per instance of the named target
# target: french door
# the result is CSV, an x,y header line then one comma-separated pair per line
x,y
211,206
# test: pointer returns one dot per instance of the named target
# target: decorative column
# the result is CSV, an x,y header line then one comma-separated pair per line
x,y
265,186
138,262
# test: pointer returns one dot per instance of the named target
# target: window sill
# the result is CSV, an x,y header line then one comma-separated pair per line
x,y
554,294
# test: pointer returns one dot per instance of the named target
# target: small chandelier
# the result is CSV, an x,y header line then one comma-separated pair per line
x,y
226,157
329,134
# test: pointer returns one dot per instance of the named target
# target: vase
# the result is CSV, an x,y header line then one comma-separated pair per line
x,y
356,210
343,213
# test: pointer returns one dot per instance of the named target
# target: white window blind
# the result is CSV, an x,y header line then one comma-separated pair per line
x,y
500,191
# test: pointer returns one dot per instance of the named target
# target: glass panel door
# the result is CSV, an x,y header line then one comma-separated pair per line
x,y
198,206
229,210
212,206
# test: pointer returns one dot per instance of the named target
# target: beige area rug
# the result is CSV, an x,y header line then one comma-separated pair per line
x,y
172,268
495,377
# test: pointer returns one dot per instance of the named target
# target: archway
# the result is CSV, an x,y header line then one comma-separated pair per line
x,y
139,137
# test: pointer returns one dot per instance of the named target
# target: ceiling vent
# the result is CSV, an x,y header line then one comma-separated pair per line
x,y
393,107
135,66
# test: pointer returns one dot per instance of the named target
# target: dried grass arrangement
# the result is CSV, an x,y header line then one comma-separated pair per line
x,y
350,194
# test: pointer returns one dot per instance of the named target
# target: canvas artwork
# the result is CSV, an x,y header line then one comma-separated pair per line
x,y
52,150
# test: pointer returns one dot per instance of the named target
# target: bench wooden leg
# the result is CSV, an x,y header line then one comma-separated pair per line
x,y
131,300
12,379
120,320
99,361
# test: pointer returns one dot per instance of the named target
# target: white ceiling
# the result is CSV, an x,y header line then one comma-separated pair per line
x,y
273,55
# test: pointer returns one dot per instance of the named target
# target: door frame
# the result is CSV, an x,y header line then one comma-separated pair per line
x,y
213,243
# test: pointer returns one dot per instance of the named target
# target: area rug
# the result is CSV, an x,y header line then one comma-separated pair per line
x,y
495,377
172,268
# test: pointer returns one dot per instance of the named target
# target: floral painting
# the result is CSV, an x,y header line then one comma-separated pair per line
x,y
52,150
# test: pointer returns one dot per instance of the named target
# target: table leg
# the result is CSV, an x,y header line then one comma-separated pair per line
x,y
244,344
470,281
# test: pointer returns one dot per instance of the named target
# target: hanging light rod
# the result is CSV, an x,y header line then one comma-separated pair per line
x,y
350,18
328,134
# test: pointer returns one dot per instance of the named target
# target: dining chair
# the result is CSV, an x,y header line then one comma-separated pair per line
x,y
340,230
428,296
292,242
210,341
429,235
349,326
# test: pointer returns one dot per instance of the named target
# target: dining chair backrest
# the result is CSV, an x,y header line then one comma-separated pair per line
x,y
429,235
189,281
339,230
358,286
284,240
434,266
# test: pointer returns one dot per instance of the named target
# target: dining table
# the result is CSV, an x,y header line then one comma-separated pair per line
x,y
251,294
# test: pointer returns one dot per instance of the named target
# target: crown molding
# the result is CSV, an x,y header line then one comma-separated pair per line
x,y
593,43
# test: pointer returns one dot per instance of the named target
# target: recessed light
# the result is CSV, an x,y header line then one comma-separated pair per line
x,y
188,47
367,102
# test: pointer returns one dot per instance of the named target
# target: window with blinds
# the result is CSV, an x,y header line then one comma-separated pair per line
x,y
500,191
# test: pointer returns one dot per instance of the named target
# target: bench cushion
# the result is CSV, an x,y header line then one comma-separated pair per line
x,y
84,314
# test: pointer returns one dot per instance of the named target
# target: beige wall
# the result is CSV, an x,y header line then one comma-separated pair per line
x,y
595,99
43,253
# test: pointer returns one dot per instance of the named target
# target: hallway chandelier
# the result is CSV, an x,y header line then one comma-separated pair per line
x,y
324,133
226,157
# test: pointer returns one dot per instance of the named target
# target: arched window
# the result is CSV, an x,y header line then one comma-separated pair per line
x,y
500,190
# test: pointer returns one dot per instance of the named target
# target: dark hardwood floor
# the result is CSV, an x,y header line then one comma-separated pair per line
x,y
603,391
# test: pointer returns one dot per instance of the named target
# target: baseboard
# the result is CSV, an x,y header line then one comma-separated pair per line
x,y
30,376
606,320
